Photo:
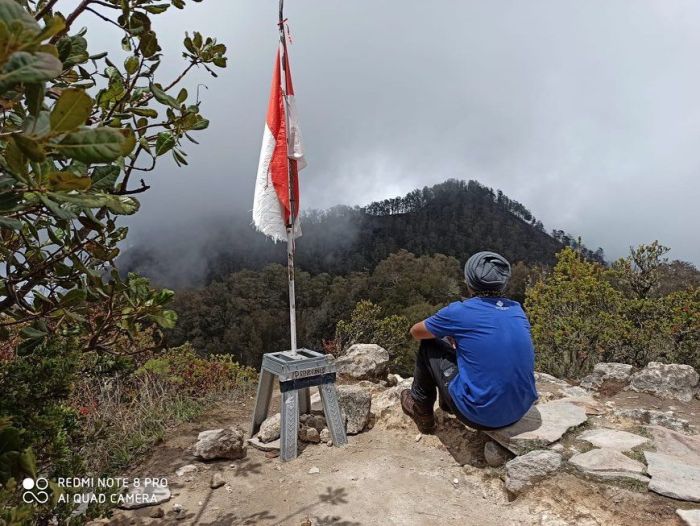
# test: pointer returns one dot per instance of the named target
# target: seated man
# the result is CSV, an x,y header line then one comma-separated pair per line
x,y
477,354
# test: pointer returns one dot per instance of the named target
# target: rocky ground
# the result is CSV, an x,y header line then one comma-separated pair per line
x,y
620,448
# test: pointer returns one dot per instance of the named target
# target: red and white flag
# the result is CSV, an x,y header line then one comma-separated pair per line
x,y
275,207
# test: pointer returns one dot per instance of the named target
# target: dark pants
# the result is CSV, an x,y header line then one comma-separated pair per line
x,y
436,366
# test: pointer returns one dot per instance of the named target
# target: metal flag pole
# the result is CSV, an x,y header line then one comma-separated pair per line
x,y
291,174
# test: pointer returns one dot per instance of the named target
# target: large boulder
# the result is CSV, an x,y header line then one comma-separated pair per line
x,y
355,403
225,443
673,381
363,361
609,377
532,467
270,429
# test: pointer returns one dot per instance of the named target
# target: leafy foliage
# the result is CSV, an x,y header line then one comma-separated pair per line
x,y
75,128
584,313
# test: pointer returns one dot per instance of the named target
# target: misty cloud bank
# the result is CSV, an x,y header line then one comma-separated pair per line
x,y
586,112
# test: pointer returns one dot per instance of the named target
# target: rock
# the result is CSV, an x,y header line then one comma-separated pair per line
x,y
363,362
393,379
390,397
325,435
179,511
689,517
613,439
673,477
157,513
217,480
142,496
542,425
189,468
610,377
548,378
608,463
587,403
314,470
672,381
495,454
684,447
319,423
220,443
654,417
270,429
355,403
273,446
310,435
532,467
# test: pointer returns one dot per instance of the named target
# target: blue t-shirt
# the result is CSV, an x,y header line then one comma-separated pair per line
x,y
495,385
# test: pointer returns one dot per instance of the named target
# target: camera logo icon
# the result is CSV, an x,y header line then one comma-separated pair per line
x,y
35,490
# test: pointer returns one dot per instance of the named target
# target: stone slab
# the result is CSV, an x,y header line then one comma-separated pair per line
x,y
542,425
668,442
689,517
264,446
672,477
613,439
608,463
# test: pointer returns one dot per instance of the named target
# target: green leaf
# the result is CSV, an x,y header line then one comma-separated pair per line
x,y
11,11
29,68
37,126
56,208
144,112
34,94
164,143
29,147
73,51
167,319
131,64
122,204
68,181
72,298
93,145
31,332
71,110
163,97
8,222
104,177
148,44
156,9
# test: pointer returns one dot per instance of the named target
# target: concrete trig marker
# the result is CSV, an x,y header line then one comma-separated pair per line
x,y
297,372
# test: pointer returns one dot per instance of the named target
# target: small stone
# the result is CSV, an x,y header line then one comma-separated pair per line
x,y
270,429
217,480
157,513
418,437
325,435
495,454
355,403
393,379
143,496
314,470
523,471
311,421
319,423
226,443
312,435
304,418
455,481
189,468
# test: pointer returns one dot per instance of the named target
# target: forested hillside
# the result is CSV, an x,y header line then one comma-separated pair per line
x,y
455,218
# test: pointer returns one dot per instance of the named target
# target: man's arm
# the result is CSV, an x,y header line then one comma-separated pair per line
x,y
420,332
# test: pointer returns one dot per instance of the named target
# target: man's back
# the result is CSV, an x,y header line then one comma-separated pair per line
x,y
495,356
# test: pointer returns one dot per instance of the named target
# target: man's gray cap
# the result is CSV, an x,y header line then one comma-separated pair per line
x,y
487,271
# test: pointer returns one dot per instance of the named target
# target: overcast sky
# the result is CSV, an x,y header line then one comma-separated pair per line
x,y
587,111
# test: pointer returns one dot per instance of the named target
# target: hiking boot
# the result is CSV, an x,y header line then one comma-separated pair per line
x,y
421,415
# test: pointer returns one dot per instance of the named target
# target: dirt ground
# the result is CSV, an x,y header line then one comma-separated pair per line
x,y
382,477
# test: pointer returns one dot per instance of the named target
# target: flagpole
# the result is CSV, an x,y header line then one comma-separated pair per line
x,y
292,200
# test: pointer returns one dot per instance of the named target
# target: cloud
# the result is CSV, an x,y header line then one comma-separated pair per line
x,y
587,112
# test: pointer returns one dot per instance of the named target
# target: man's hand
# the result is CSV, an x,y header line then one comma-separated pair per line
x,y
419,332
